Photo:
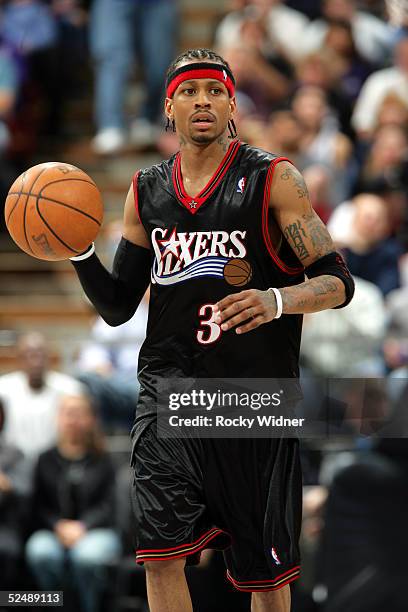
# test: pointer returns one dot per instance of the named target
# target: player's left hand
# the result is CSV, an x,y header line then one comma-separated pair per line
x,y
251,307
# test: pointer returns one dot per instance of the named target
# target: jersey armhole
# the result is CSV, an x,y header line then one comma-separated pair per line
x,y
265,214
136,194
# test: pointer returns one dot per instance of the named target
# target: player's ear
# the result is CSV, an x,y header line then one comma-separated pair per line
x,y
233,107
168,108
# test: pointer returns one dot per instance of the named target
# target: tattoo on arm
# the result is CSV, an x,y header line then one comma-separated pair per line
x,y
324,286
313,295
298,180
293,233
320,237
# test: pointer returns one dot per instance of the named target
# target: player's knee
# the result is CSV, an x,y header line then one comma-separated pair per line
x,y
160,568
272,601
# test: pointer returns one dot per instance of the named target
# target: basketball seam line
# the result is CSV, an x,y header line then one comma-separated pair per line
x,y
25,209
61,203
19,195
63,180
50,228
69,206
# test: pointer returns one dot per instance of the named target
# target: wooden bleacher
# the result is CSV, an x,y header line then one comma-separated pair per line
x,y
46,296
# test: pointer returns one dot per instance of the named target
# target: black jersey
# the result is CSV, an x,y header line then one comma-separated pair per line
x,y
194,242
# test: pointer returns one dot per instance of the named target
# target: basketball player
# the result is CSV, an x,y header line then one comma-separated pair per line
x,y
217,200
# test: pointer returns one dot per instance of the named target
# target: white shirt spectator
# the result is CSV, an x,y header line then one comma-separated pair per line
x,y
345,342
373,92
285,28
115,348
372,36
340,224
30,414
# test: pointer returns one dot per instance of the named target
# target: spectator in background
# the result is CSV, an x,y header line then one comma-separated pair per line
x,y
14,489
115,27
9,83
396,342
384,172
9,86
347,343
373,37
73,507
378,86
393,111
31,397
386,156
283,135
370,252
318,180
259,72
284,26
31,28
354,68
397,12
362,560
321,142
107,366
323,69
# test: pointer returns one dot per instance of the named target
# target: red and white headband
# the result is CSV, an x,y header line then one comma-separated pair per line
x,y
200,70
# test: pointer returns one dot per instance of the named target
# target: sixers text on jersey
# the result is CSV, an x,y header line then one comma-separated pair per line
x,y
185,255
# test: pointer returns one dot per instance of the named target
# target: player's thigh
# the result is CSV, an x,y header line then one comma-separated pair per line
x,y
167,491
255,493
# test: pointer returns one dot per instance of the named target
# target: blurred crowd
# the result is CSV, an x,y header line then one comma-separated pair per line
x,y
324,83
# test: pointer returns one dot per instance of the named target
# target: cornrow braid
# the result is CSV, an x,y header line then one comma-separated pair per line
x,y
196,54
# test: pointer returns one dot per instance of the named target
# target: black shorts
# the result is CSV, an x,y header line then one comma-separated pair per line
x,y
243,496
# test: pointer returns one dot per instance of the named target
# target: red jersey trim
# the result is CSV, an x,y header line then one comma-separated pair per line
x,y
265,212
193,203
176,552
136,194
258,586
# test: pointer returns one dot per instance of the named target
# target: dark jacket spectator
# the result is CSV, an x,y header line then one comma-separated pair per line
x,y
14,486
74,507
371,252
81,489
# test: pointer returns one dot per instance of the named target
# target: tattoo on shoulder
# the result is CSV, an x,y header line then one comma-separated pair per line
x,y
297,179
317,231
294,234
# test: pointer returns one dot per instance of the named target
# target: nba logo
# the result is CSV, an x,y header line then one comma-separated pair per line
x,y
225,75
275,556
241,185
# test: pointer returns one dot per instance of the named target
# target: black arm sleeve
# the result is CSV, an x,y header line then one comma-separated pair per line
x,y
334,265
116,295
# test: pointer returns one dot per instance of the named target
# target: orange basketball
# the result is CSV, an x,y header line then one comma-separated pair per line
x,y
53,211
237,272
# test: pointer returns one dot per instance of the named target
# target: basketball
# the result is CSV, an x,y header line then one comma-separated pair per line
x,y
237,272
53,211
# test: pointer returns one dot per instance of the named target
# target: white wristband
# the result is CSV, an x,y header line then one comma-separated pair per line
x,y
279,301
88,253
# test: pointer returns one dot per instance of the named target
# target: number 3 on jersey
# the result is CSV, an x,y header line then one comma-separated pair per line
x,y
210,331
